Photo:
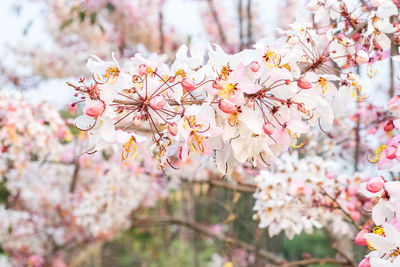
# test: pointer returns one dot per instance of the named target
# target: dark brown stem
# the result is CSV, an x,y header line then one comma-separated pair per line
x,y
74,176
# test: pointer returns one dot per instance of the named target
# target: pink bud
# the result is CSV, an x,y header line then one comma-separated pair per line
x,y
95,108
143,69
217,85
136,120
188,84
355,215
268,128
227,106
254,66
173,128
158,102
375,184
362,57
364,263
394,104
301,107
72,108
250,103
360,239
303,83
388,126
391,152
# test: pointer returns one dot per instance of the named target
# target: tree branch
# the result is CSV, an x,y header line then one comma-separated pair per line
x,y
146,222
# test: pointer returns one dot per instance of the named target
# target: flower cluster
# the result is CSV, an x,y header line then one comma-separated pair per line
x,y
382,235
302,194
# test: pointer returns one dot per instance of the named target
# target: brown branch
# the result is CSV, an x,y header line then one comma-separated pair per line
x,y
161,26
349,260
146,222
241,43
249,24
313,261
358,227
246,188
74,176
217,21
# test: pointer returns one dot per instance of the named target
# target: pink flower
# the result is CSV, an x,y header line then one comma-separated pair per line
x,y
217,85
303,83
72,108
158,102
394,104
254,66
364,263
268,128
355,215
173,128
390,152
388,126
35,260
362,57
95,108
143,69
360,239
302,108
188,84
227,106
375,184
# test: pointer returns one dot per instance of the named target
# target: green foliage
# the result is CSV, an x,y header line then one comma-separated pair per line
x,y
317,245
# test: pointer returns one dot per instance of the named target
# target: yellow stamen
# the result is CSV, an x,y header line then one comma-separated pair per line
x,y
378,154
131,144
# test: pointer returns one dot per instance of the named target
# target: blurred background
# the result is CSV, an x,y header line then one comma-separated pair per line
x,y
44,43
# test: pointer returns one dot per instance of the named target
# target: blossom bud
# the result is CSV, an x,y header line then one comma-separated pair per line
x,y
303,83
360,239
376,3
188,84
227,106
268,128
72,108
356,37
364,263
173,128
355,215
95,108
136,120
391,152
375,184
362,57
294,40
217,85
388,126
158,102
250,103
143,69
254,66
394,104
301,107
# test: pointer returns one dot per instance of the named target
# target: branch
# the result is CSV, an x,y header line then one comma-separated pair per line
x,y
358,227
313,261
146,222
217,21
344,255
